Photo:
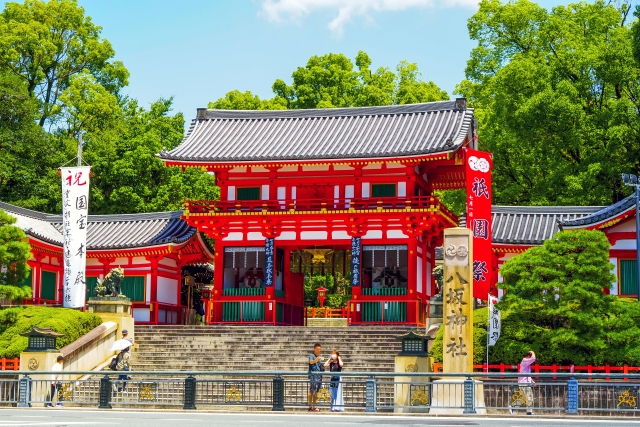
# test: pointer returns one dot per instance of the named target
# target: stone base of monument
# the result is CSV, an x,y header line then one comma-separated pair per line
x,y
114,309
447,397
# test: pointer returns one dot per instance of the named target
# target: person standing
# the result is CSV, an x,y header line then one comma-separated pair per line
x,y
125,336
124,365
315,381
526,383
56,385
335,364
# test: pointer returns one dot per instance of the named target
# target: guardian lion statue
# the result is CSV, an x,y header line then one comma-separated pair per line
x,y
110,285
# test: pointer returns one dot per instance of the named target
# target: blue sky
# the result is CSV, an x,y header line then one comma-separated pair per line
x,y
196,51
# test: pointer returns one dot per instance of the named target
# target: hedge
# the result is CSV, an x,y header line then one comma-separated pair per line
x,y
16,320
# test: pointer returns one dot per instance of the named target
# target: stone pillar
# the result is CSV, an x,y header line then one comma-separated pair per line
x,y
114,309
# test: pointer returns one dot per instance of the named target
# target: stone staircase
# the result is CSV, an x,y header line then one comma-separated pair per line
x,y
260,348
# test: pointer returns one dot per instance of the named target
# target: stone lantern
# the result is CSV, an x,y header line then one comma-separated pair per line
x,y
322,295
412,395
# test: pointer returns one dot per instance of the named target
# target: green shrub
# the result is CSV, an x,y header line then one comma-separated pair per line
x,y
16,320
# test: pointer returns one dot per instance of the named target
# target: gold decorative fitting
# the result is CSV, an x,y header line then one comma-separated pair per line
x,y
420,397
518,398
33,364
320,256
147,392
66,392
233,394
323,394
626,398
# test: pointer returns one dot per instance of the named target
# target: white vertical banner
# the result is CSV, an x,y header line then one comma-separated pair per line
x,y
75,209
495,323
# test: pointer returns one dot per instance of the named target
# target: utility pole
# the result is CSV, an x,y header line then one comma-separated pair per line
x,y
80,150
631,180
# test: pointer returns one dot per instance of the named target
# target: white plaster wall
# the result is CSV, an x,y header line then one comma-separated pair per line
x,y
373,234
313,235
168,261
340,235
141,314
139,260
614,285
402,189
282,193
625,244
167,290
255,235
365,189
231,192
287,235
233,236
265,192
93,262
293,193
396,234
348,191
147,283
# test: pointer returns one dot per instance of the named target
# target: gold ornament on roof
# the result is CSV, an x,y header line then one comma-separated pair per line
x,y
319,256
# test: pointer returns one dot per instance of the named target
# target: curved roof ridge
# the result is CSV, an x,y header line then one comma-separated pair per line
x,y
148,216
332,112
545,209
24,211
603,214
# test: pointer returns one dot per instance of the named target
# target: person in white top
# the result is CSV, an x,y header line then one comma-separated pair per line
x,y
55,381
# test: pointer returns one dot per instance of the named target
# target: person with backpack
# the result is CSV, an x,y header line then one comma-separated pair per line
x,y
335,366
315,381
123,364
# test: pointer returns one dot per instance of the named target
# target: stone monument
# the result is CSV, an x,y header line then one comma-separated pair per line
x,y
457,322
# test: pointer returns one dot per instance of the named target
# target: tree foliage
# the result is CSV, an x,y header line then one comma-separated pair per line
x,y
57,71
332,81
14,254
47,44
555,300
556,96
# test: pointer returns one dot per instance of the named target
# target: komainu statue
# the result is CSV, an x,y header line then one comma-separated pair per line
x,y
110,285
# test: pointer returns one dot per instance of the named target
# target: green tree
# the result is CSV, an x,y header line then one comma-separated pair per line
x,y
14,254
332,81
25,147
555,94
46,44
555,294
128,176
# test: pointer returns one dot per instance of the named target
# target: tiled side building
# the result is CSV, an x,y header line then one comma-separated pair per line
x,y
152,248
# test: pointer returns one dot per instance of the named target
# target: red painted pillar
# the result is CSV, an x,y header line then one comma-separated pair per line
x,y
412,279
153,297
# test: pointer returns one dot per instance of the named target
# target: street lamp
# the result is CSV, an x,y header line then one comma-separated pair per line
x,y
632,181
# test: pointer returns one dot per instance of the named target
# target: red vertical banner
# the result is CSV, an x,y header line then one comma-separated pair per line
x,y
479,195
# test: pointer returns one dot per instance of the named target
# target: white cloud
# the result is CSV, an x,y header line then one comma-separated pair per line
x,y
296,10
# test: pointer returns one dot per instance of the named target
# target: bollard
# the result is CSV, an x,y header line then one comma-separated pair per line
x,y
278,394
24,390
469,401
190,392
105,392
370,396
572,397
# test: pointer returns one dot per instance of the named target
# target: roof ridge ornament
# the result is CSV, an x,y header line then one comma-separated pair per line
x,y
461,103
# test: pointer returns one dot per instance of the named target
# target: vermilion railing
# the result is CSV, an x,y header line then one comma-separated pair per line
x,y
318,205
10,364
590,369
326,312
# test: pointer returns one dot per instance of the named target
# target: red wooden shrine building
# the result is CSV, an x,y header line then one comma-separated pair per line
x,y
331,191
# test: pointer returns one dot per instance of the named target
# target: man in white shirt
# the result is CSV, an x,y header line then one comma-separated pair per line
x,y
55,381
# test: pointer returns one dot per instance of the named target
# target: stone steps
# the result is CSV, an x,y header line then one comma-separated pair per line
x,y
260,348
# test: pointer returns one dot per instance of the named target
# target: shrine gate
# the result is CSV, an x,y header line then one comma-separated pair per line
x,y
349,191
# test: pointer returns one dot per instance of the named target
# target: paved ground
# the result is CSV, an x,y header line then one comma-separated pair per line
x,y
71,417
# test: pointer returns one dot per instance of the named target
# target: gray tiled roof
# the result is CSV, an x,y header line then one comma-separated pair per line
x,y
530,225
108,231
601,215
335,133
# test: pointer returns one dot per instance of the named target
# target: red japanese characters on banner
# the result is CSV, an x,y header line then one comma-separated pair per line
x,y
478,175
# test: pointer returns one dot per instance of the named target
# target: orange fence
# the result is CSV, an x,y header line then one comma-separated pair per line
x,y
10,364
326,312
589,369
